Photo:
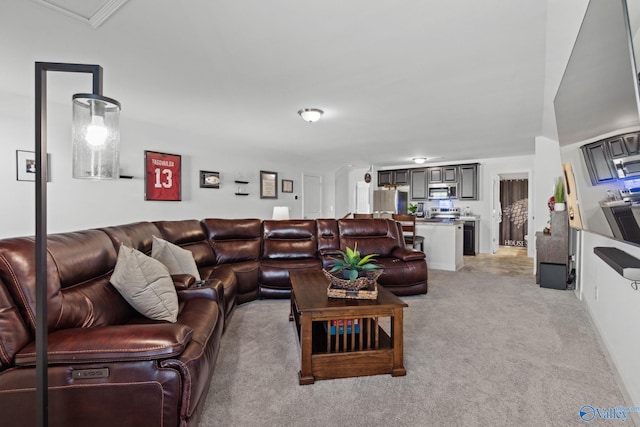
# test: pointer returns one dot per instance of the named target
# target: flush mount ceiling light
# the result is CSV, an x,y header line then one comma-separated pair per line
x,y
419,160
311,114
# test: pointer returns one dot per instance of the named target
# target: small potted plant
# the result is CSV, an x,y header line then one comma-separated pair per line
x,y
558,196
353,265
412,208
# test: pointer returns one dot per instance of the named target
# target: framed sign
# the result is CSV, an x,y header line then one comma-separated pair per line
x,y
268,185
209,179
287,186
162,177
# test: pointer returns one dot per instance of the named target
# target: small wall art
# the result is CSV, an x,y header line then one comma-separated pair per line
x,y
162,176
209,179
287,186
26,166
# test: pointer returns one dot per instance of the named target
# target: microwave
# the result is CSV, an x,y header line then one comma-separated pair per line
x,y
443,191
628,166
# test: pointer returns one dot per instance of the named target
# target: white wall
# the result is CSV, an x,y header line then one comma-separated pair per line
x,y
614,308
78,204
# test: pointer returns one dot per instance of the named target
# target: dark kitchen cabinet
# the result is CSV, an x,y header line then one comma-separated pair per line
x,y
450,174
440,174
599,163
469,238
418,184
385,178
623,146
435,175
393,177
468,186
401,177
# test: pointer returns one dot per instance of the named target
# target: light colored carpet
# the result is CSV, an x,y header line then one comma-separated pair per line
x,y
482,348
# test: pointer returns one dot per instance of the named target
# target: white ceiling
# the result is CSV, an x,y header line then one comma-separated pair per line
x,y
454,80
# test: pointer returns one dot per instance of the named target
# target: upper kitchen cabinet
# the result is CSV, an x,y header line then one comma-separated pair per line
x,y
393,177
401,177
441,174
419,184
622,146
468,186
599,162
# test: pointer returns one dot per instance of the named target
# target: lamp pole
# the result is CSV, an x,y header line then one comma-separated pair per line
x,y
42,400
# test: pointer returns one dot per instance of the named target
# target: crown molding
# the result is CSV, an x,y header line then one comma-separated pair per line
x,y
106,10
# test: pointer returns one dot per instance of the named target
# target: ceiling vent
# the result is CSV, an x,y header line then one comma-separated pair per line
x,y
92,12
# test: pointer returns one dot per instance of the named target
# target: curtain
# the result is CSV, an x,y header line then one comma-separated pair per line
x,y
515,206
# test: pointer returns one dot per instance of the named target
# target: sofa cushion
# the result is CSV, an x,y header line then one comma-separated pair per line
x,y
373,236
176,259
289,239
146,284
234,240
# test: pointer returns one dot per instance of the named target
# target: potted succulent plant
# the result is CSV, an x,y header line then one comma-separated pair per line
x,y
412,208
353,265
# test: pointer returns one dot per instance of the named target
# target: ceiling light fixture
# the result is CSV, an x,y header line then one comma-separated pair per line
x,y
419,160
311,114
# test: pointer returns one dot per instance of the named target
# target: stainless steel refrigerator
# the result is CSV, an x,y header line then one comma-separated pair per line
x,y
390,201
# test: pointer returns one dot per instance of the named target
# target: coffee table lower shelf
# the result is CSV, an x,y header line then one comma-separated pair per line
x,y
354,361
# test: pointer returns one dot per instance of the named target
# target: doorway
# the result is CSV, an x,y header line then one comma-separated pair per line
x,y
514,200
311,196
511,212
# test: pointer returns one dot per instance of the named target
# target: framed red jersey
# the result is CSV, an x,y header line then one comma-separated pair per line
x,y
162,178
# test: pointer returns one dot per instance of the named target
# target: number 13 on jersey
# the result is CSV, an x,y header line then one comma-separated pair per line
x,y
162,176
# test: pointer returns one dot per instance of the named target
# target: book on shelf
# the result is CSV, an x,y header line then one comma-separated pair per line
x,y
340,325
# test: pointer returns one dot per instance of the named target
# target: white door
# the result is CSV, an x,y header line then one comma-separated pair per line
x,y
311,196
363,204
496,215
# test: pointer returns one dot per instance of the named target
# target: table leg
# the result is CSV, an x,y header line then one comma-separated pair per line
x,y
398,351
305,375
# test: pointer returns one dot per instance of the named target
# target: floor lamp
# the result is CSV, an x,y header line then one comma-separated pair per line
x,y
96,143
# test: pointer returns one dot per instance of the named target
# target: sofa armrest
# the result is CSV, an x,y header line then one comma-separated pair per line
x,y
211,289
111,343
183,281
407,254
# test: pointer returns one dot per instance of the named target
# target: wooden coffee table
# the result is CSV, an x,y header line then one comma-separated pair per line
x,y
360,348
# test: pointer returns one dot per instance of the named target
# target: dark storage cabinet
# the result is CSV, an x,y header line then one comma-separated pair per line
x,y
599,156
418,184
393,177
469,246
468,188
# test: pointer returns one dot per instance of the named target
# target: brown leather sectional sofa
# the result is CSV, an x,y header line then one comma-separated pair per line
x,y
108,364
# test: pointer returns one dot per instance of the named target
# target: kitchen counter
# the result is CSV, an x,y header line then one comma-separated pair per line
x,y
438,221
443,242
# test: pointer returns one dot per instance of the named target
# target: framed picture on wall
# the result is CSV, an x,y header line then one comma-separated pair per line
x,y
209,179
287,186
163,180
268,185
26,166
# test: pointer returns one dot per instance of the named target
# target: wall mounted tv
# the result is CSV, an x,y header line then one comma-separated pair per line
x,y
598,94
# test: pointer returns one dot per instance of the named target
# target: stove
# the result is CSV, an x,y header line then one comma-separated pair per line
x,y
444,212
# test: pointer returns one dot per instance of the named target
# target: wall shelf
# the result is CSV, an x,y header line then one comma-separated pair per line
x,y
242,194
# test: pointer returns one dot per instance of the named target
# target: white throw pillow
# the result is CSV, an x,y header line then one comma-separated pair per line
x,y
176,259
146,284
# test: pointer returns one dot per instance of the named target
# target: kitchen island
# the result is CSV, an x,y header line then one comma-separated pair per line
x,y
443,243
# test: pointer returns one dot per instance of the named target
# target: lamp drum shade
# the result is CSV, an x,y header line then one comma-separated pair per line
x,y
96,137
